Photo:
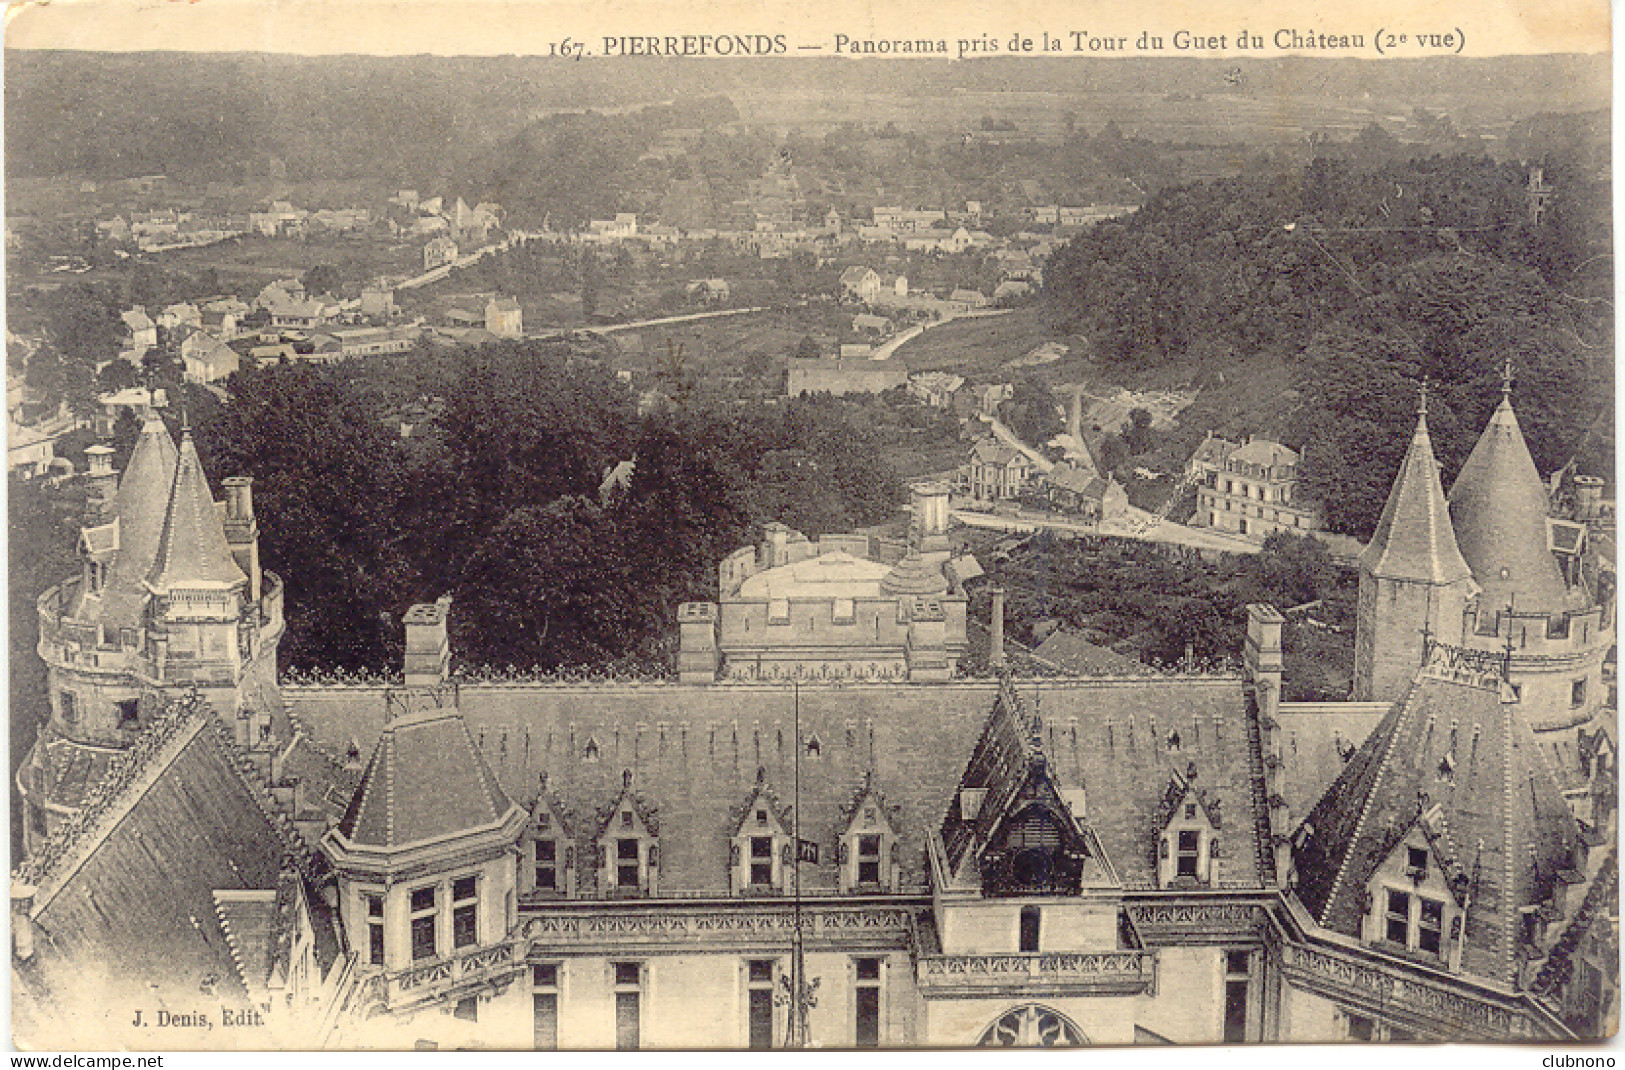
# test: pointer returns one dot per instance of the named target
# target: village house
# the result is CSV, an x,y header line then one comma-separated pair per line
x,y
1081,491
141,333
708,291
1252,492
996,471
437,252
843,375
504,318
860,283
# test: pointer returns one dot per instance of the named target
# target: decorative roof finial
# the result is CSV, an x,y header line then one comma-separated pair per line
x,y
1422,398
1506,380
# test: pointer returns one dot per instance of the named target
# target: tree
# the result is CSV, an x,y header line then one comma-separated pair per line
x,y
1031,412
1138,436
322,279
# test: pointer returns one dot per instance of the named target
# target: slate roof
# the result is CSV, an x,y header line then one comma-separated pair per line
x,y
1414,539
128,901
694,753
427,779
141,501
1502,833
192,549
915,575
1071,652
1498,506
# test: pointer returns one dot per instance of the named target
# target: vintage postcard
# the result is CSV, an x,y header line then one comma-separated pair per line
x,y
857,526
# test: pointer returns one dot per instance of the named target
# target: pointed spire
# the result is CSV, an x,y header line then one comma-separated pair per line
x,y
143,494
192,551
1498,507
1414,540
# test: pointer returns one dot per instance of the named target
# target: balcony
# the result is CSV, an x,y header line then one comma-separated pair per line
x,y
1049,973
446,978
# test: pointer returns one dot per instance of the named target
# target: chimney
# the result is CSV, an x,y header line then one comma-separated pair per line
x,y
22,925
995,630
697,655
428,648
103,485
929,504
242,530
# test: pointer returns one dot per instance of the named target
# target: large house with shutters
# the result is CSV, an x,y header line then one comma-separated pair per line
x,y
835,825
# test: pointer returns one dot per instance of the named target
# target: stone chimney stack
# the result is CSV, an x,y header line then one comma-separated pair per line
x,y
929,503
697,657
428,648
995,631
1588,497
1263,661
103,485
242,530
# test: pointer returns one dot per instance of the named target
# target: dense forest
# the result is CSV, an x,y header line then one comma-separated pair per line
x,y
501,500
1368,275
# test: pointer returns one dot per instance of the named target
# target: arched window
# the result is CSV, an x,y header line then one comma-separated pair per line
x,y
1032,1026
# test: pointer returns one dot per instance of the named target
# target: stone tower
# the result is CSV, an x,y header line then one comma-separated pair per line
x,y
170,598
1414,582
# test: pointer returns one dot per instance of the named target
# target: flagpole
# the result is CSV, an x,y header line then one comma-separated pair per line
x,y
797,964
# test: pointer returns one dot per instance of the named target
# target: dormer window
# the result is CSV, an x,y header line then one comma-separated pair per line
x,y
550,852
628,847
760,855
1188,846
1412,906
868,845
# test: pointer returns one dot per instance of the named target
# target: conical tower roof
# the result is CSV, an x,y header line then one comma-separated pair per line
x,y
1414,539
1498,507
192,550
914,575
1455,762
143,499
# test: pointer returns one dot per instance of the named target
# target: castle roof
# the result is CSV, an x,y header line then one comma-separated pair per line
x,y
127,889
1454,758
1498,507
1414,539
694,753
831,575
426,780
192,549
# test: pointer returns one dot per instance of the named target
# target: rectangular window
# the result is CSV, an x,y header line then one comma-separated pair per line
x,y
628,1005
423,923
1416,859
70,707
1577,693
375,929
627,869
866,1005
1237,979
544,978
1190,845
467,1009
1361,1028
1030,919
547,865
868,859
760,1010
761,861
465,918
1430,926
1398,918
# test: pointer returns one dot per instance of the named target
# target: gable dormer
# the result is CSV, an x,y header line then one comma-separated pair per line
x,y
1188,835
1417,896
628,845
867,839
547,862
759,854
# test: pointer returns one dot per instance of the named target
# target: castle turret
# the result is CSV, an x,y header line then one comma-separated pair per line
x,y
1414,582
1498,507
161,603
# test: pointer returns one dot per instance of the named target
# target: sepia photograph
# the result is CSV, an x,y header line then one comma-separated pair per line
x,y
730,527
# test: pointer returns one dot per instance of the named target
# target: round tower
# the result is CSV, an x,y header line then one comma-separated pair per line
x,y
162,603
1548,636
